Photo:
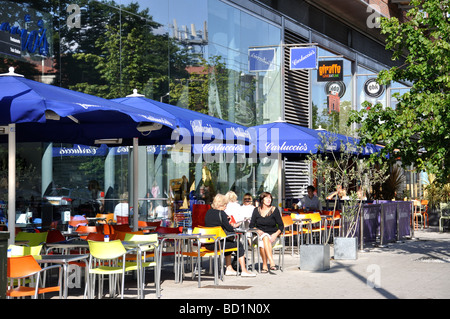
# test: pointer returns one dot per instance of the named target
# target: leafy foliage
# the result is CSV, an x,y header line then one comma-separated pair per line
x,y
418,129
344,170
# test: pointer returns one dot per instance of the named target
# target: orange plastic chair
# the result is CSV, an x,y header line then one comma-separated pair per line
x,y
290,232
143,224
75,223
336,225
424,204
109,218
87,229
26,267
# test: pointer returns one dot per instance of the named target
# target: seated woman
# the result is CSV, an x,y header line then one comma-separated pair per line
x,y
267,220
216,216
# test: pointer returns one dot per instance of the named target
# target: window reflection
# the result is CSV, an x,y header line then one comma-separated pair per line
x,y
190,53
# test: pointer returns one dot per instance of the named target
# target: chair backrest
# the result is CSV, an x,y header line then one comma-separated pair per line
x,y
336,213
121,234
78,220
424,202
168,230
208,231
87,229
287,220
55,236
313,217
100,237
106,250
141,237
22,266
34,239
300,216
109,218
156,223
16,250
122,228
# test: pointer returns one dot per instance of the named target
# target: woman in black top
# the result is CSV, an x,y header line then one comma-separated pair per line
x,y
267,219
216,216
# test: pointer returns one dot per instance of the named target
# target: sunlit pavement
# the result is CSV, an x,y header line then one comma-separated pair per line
x,y
417,268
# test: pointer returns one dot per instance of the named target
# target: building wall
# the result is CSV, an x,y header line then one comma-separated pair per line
x,y
194,54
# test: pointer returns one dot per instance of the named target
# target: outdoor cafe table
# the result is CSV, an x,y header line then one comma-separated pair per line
x,y
67,245
179,240
64,260
83,244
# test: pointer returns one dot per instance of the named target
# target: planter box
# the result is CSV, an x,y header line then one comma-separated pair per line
x,y
315,257
345,248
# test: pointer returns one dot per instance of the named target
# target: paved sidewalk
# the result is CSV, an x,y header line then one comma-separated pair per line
x,y
415,268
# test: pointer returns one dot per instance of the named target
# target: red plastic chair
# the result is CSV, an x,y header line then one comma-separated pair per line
x,y
101,237
55,236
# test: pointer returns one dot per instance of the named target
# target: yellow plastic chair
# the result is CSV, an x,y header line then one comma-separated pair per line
x,y
205,252
315,225
107,258
148,253
33,239
26,267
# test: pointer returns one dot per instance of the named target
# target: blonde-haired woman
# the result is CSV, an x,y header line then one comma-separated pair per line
x,y
233,208
216,216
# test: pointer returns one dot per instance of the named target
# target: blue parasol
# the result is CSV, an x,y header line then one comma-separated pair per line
x,y
31,111
285,138
48,113
194,127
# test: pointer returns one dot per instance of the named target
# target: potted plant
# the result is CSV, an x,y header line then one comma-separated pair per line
x,y
352,179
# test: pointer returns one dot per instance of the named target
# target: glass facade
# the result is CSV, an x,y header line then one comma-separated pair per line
x,y
323,114
189,53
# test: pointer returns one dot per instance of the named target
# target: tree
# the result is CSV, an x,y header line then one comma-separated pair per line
x,y
418,129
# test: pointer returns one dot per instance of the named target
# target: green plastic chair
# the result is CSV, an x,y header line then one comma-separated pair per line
x,y
34,239
147,253
107,258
